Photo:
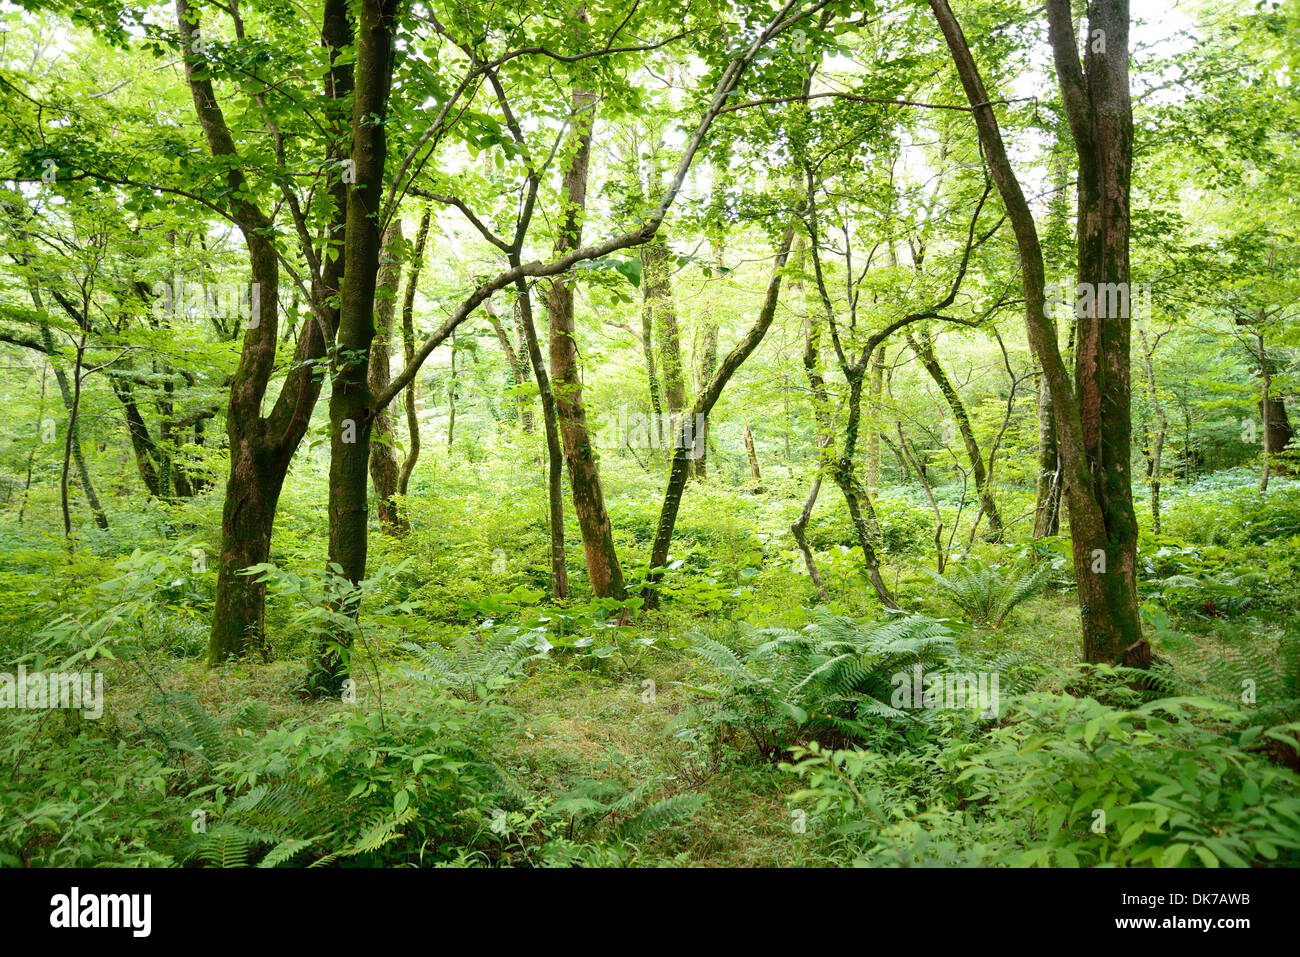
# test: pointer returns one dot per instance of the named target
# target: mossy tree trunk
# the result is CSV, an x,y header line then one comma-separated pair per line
x,y
1093,418
261,447
923,346
384,467
351,400
603,569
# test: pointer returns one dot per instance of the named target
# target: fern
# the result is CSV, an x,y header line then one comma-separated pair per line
x,y
199,732
273,817
986,597
831,676
660,815
379,833
474,665
186,726
503,785
285,851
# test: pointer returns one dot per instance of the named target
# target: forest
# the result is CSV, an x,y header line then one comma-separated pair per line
x,y
632,433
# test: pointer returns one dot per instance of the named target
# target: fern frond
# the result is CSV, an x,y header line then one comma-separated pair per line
x,y
381,832
660,815
285,851
718,655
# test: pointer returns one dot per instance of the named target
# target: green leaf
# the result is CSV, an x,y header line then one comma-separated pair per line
x,y
1173,855
630,269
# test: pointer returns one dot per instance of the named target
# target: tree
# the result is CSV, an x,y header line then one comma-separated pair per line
x,y
1093,422
603,569
384,467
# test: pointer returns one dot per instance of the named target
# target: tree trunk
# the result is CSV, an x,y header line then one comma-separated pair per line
x,y
248,516
260,447
923,346
748,436
647,344
72,450
841,468
865,525
1047,499
408,355
1275,426
657,288
1093,428
451,397
689,433
584,476
708,360
1162,426
875,411
1101,120
554,448
384,467
1265,407
351,400
1279,431
798,530
708,363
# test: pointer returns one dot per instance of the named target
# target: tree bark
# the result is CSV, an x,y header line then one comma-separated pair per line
x,y
1047,493
875,411
748,436
351,401
72,449
603,569
554,446
657,289
648,348
1275,426
923,346
657,292
408,354
1162,426
1278,434
689,432
708,363
1093,427
708,360
451,396
384,467
260,447
799,531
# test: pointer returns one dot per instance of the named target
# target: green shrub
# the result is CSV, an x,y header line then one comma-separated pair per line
x,y
985,594
777,684
1063,781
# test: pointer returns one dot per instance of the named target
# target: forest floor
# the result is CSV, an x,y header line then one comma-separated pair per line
x,y
479,704
575,722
